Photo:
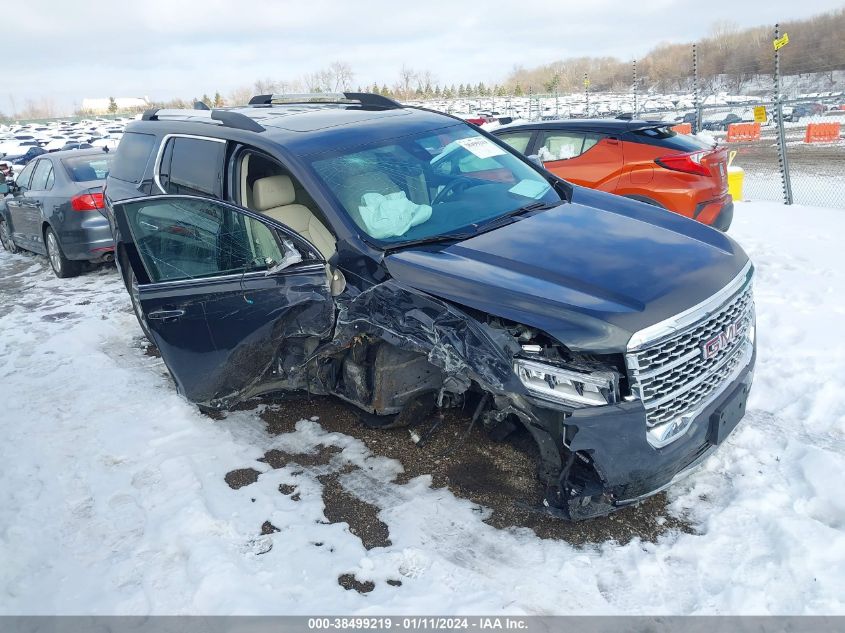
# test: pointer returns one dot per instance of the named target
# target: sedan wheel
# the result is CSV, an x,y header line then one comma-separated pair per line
x,y
6,238
62,266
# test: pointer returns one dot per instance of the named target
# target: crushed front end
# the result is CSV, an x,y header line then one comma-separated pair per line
x,y
682,390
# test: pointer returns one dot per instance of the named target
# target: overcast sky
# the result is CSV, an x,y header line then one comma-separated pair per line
x,y
71,49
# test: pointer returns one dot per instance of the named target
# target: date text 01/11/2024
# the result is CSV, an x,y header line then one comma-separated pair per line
x,y
418,623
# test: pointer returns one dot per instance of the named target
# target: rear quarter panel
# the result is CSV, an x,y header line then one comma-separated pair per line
x,y
677,191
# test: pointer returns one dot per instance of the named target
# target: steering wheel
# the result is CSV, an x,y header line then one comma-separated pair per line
x,y
457,185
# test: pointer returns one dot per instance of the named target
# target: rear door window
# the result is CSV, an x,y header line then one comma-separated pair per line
x,y
192,166
43,170
559,145
518,140
565,144
131,156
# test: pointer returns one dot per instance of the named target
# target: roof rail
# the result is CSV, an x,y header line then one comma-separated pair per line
x,y
226,118
364,98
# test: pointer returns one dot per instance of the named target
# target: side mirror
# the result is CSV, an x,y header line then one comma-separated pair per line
x,y
536,160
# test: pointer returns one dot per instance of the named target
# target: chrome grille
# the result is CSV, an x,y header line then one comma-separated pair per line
x,y
671,375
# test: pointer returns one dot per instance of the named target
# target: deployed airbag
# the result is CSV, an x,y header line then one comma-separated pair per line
x,y
391,215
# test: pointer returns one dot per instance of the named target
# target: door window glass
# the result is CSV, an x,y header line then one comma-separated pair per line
x,y
184,238
560,145
590,140
132,155
192,166
22,181
43,169
517,140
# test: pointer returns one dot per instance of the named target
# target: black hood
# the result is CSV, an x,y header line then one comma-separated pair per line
x,y
589,273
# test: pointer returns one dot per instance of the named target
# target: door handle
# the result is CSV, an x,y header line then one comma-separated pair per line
x,y
166,315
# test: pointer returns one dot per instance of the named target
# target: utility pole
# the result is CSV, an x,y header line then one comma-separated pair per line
x,y
586,95
636,101
695,97
783,159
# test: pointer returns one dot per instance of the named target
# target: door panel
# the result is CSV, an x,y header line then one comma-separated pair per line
x,y
33,201
223,292
17,209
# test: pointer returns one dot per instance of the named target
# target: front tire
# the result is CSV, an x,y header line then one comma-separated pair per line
x,y
6,237
62,266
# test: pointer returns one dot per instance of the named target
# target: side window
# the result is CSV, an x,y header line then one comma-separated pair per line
x,y
192,166
560,145
182,238
518,140
22,181
590,139
43,170
51,178
131,157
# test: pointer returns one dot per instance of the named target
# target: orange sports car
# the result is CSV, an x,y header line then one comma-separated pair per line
x,y
643,160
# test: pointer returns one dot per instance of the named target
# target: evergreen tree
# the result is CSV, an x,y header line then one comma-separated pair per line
x,y
112,105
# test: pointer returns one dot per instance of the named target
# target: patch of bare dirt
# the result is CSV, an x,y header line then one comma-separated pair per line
x,y
349,581
498,475
343,507
241,477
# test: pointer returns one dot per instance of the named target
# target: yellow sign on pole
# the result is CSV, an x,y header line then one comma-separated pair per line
x,y
781,41
760,114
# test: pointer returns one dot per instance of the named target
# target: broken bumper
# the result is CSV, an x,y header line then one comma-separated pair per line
x,y
613,463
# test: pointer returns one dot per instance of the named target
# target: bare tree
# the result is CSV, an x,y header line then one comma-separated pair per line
x,y
407,79
342,76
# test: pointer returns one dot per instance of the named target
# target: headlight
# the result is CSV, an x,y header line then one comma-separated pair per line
x,y
575,388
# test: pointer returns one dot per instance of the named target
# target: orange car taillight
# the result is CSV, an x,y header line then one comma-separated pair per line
x,y
689,163
87,202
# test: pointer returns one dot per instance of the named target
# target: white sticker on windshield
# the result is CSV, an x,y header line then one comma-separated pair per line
x,y
480,146
530,188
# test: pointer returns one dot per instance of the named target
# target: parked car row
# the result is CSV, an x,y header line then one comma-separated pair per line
x,y
21,143
407,261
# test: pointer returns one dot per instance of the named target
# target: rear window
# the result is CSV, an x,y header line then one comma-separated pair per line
x,y
131,156
666,137
85,168
192,166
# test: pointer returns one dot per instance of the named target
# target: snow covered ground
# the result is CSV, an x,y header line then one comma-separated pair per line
x,y
114,501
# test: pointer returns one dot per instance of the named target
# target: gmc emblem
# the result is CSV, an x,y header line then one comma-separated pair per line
x,y
721,341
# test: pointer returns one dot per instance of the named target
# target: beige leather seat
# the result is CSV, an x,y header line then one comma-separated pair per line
x,y
274,196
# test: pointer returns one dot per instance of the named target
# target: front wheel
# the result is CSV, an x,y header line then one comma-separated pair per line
x,y
6,237
62,266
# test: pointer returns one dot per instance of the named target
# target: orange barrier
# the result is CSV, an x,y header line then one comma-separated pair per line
x,y
682,128
822,132
743,132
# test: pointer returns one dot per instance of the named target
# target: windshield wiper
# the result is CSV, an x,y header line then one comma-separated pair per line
x,y
445,237
483,227
507,218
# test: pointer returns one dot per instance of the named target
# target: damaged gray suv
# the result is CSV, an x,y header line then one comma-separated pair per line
x,y
404,260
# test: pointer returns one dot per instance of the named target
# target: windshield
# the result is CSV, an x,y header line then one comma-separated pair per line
x,y
417,187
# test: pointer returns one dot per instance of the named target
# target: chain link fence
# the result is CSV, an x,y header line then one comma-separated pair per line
x,y
815,151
